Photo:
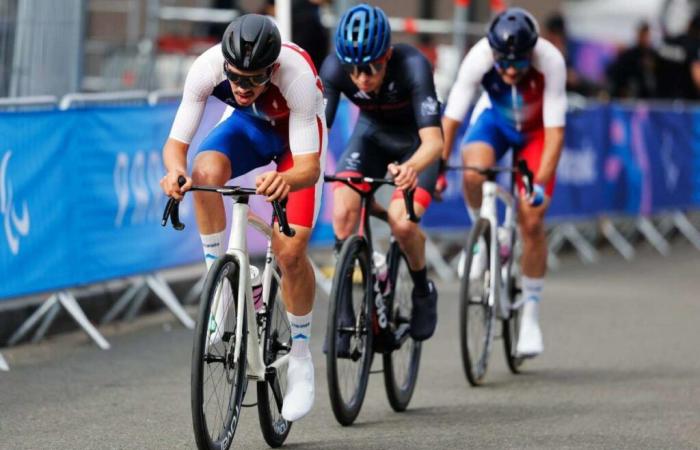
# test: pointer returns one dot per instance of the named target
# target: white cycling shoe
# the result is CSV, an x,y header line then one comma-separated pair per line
x,y
299,397
530,337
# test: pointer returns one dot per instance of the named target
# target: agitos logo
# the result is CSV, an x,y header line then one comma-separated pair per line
x,y
14,224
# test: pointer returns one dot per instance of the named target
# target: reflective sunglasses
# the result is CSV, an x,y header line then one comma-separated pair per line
x,y
517,64
370,68
247,81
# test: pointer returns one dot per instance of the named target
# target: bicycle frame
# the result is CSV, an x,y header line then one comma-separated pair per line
x,y
241,217
492,192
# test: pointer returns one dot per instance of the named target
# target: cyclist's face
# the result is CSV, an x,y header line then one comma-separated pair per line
x,y
369,77
247,86
512,71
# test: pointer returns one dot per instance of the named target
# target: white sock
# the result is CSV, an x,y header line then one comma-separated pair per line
x,y
214,246
301,333
474,214
532,288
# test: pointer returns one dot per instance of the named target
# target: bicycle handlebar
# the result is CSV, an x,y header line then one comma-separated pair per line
x,y
526,175
173,206
407,197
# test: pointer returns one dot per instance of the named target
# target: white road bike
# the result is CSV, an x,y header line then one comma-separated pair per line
x,y
233,342
490,291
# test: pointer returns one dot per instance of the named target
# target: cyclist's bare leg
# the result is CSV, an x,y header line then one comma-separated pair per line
x,y
298,281
478,154
408,234
210,168
531,222
346,211
298,289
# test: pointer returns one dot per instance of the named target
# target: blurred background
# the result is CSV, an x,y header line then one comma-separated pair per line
x,y
111,45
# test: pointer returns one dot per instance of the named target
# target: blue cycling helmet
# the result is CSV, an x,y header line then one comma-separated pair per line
x,y
513,33
363,35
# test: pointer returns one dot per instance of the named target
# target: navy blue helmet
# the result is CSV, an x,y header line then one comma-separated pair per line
x,y
513,33
363,35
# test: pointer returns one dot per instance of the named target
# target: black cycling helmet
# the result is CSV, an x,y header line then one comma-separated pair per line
x,y
513,33
251,42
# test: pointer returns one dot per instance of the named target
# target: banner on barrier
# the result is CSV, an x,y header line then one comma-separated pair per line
x,y
80,200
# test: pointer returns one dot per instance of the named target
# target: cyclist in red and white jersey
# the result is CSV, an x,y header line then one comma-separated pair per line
x,y
279,116
523,108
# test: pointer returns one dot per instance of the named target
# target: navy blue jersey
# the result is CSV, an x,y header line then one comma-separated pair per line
x,y
406,98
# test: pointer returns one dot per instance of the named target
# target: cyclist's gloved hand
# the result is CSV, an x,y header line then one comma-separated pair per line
x,y
171,187
405,176
537,196
273,185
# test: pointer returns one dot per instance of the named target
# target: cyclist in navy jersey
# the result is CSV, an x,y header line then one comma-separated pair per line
x,y
398,131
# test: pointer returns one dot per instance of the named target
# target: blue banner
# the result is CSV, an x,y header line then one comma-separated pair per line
x,y
80,200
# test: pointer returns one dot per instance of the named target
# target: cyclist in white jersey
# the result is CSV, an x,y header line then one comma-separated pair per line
x,y
523,108
279,116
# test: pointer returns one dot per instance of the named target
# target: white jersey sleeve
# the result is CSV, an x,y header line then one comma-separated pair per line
x,y
550,62
301,89
476,64
204,74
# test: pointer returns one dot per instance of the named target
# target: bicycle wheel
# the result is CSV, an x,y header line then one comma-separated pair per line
x,y
277,342
218,382
348,373
476,315
401,365
511,326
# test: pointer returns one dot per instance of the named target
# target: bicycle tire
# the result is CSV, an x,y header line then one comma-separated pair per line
x,y
399,391
475,354
277,342
511,328
354,255
221,280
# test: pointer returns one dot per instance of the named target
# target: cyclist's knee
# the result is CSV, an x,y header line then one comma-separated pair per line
x,y
532,225
473,179
402,229
344,220
214,169
291,255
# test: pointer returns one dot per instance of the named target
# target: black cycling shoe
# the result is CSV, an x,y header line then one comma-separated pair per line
x,y
424,315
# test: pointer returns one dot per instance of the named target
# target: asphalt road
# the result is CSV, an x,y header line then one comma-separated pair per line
x,y
621,369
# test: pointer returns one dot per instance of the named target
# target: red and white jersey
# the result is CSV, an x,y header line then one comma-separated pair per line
x,y
538,99
292,103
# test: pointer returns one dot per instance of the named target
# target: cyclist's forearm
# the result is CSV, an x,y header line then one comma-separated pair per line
x,y
175,156
449,130
304,173
553,144
429,150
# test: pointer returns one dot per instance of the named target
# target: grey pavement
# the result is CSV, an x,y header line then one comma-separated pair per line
x,y
621,369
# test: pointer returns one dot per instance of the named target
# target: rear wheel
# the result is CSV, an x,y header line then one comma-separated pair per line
x,y
401,365
477,312
349,332
277,342
218,380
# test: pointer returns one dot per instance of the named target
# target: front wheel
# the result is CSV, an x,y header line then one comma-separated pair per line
x,y
511,327
218,380
349,332
477,310
277,342
401,365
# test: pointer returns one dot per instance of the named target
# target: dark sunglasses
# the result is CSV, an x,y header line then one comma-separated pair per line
x,y
517,64
248,81
370,68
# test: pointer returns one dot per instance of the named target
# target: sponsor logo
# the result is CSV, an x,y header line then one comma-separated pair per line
x,y
577,166
429,107
14,224
140,199
380,306
363,95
